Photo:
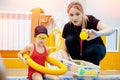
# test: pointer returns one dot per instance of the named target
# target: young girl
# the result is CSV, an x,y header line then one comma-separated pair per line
x,y
38,52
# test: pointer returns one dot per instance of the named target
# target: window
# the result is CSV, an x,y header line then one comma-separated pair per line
x,y
112,42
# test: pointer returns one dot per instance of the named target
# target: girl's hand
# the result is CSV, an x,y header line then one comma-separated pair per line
x,y
20,56
24,61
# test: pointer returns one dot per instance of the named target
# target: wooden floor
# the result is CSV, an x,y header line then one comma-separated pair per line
x,y
17,72
23,72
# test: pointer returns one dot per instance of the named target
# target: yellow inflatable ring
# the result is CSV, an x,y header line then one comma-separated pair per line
x,y
59,40
62,67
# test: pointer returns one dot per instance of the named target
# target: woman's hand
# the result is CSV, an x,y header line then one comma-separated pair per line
x,y
92,34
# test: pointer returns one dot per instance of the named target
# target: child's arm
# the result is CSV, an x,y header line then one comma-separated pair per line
x,y
28,49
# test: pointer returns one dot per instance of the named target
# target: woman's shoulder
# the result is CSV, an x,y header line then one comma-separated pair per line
x,y
68,24
66,27
90,17
92,20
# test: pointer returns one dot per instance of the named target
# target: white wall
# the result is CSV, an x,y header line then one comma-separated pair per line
x,y
106,10
49,6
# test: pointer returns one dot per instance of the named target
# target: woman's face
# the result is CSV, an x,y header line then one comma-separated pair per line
x,y
75,16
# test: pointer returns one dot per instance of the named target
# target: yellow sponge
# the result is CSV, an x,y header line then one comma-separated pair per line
x,y
83,35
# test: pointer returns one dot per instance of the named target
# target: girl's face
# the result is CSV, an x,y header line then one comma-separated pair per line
x,y
75,16
41,38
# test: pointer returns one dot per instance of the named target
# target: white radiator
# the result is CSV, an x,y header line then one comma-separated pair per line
x,y
15,30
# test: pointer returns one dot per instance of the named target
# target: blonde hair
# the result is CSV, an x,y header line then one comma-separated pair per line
x,y
78,5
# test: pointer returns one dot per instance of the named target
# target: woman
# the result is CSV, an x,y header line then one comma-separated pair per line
x,y
38,52
92,49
